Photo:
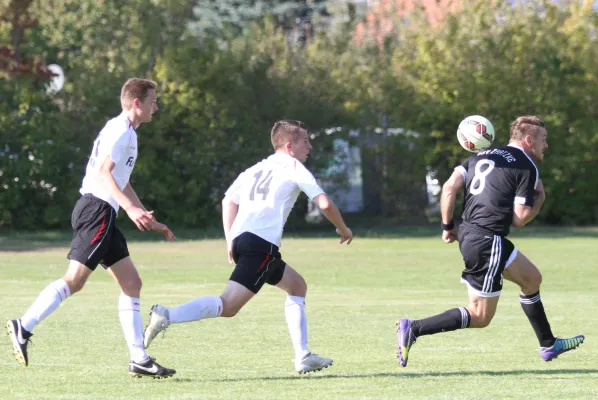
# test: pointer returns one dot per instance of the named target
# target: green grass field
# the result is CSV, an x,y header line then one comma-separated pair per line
x,y
355,295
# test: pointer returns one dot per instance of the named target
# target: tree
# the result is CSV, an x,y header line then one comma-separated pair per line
x,y
502,61
292,15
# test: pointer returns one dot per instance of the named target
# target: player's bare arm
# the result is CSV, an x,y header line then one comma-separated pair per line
x,y
229,213
143,219
448,199
156,226
330,211
132,195
163,228
522,214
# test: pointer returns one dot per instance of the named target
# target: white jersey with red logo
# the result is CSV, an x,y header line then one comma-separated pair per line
x,y
266,193
118,140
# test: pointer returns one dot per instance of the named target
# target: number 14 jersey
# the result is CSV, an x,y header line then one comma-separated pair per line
x,y
496,180
266,193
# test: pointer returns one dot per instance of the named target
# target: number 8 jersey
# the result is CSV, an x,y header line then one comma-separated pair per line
x,y
266,193
496,180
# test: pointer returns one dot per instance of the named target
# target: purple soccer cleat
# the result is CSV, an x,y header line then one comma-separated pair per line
x,y
561,346
405,339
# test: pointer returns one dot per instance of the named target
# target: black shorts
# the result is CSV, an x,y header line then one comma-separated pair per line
x,y
96,239
486,257
258,262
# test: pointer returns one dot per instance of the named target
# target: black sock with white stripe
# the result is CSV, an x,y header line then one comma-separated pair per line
x,y
450,320
533,308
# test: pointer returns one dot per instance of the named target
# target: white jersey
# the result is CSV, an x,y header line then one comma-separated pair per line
x,y
118,140
266,193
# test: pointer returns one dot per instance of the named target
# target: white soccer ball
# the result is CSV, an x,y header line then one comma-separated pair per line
x,y
475,133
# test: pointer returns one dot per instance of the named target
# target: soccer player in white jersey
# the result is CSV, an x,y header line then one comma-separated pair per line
x,y
254,211
97,240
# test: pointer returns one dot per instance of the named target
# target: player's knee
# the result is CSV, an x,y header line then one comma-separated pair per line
x,y
484,321
537,280
480,319
75,283
226,313
303,287
480,322
229,311
299,287
132,286
531,283
533,286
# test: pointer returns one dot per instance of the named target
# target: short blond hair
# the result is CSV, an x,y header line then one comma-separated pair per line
x,y
524,126
135,88
286,131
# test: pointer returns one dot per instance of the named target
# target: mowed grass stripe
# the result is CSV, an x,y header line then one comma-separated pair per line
x,y
355,295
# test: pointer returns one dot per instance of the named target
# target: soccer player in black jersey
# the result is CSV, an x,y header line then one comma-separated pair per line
x,y
502,188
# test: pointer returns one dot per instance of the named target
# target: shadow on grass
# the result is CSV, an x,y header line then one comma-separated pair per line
x,y
31,241
402,375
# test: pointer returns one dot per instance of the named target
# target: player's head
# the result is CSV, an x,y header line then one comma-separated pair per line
x,y
139,96
529,132
290,137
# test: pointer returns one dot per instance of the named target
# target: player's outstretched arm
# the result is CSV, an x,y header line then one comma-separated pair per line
x,y
333,214
229,213
142,218
448,198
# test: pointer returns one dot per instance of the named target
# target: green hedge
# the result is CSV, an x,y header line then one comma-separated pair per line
x,y
219,97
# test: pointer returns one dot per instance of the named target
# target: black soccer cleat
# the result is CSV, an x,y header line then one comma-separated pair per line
x,y
20,339
150,368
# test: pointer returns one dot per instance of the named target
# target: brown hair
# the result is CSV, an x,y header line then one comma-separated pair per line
x,y
135,88
524,126
286,131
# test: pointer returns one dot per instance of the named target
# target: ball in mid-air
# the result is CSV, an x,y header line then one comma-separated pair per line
x,y
475,133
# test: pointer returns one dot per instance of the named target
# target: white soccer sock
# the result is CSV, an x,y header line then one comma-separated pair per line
x,y
132,324
195,310
294,312
45,304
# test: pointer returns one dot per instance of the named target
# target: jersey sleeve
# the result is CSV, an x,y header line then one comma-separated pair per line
x,y
234,191
463,167
306,181
527,180
114,144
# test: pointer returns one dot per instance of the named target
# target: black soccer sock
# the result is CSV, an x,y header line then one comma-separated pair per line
x,y
533,308
450,320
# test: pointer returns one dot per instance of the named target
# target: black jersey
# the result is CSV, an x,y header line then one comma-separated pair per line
x,y
495,180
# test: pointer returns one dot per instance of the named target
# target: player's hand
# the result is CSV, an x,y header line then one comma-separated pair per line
x,y
158,227
143,219
229,251
346,235
449,236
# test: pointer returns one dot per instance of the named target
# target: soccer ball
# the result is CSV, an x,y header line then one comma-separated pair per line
x,y
475,133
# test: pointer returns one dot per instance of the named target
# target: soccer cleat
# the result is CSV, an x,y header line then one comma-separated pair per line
x,y
561,346
150,368
159,321
312,362
20,338
405,339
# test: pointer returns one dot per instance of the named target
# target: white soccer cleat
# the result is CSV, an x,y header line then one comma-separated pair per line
x,y
312,362
159,321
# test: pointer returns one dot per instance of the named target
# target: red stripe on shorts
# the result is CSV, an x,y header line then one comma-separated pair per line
x,y
264,263
100,231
